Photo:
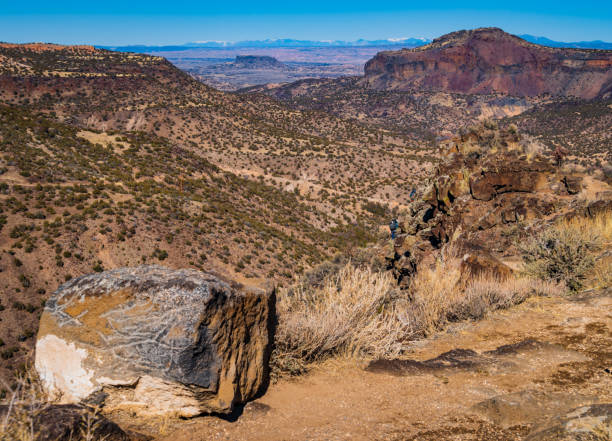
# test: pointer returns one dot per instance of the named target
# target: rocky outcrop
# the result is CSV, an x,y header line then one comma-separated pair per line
x,y
483,189
482,263
156,341
488,60
572,184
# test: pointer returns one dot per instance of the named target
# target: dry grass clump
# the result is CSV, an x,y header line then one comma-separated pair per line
x,y
25,399
439,297
361,313
601,275
27,406
568,252
352,313
599,226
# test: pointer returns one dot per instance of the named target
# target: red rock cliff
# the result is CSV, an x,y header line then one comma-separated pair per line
x,y
489,60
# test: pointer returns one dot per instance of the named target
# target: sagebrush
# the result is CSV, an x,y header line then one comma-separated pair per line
x,y
567,250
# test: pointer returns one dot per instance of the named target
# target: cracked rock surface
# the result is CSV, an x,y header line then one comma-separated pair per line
x,y
156,341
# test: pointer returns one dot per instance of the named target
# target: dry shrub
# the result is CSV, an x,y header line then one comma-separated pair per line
x,y
359,312
352,313
531,146
567,251
488,294
438,297
572,168
606,171
431,291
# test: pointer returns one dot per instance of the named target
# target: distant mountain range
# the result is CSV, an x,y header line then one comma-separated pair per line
x,y
288,42
597,44
276,43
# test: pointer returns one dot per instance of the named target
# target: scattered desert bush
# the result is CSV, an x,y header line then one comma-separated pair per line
x,y
318,275
438,297
352,313
531,146
566,251
562,256
606,171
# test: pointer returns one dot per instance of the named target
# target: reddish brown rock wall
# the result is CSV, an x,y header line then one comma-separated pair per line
x,y
488,60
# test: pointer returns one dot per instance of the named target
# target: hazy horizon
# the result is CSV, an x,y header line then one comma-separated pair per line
x,y
228,43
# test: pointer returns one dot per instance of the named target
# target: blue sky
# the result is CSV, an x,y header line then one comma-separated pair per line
x,y
118,22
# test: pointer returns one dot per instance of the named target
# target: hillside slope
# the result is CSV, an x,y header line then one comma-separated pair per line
x,y
74,201
110,159
106,90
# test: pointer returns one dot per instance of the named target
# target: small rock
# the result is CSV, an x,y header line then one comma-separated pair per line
x,y
573,184
527,406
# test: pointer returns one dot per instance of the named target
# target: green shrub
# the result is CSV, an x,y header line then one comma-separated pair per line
x,y
561,255
160,254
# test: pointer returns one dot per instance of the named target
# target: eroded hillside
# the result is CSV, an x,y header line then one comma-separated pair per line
x,y
421,115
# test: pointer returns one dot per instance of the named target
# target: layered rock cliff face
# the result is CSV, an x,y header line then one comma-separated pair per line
x,y
489,60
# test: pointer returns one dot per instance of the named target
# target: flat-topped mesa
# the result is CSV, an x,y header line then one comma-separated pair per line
x,y
489,60
44,47
156,341
258,62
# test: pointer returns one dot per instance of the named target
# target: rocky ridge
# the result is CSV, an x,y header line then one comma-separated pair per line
x,y
487,187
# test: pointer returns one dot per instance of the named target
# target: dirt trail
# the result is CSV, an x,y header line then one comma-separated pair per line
x,y
557,359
